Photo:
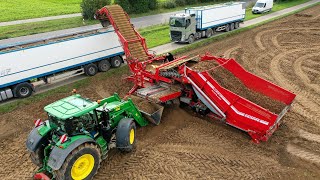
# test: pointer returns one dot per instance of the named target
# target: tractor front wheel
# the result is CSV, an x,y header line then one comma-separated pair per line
x,y
82,163
126,134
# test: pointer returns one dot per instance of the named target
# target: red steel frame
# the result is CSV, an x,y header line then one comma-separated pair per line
x,y
236,111
240,112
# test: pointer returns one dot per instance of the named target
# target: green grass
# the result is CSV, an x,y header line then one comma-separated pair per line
x,y
156,35
117,72
276,7
11,10
41,27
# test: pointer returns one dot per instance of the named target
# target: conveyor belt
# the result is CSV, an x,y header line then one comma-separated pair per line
x,y
124,27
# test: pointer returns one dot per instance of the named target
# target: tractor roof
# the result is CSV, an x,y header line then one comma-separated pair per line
x,y
72,106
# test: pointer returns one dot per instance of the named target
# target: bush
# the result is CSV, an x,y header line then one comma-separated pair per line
x,y
139,6
181,2
169,4
89,7
153,4
125,4
191,1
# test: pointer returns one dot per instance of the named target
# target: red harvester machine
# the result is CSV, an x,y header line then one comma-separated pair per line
x,y
161,81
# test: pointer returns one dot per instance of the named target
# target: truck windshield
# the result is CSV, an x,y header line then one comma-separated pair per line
x,y
177,22
260,5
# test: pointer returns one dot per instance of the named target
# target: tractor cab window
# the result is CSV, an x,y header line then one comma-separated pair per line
x,y
177,22
260,5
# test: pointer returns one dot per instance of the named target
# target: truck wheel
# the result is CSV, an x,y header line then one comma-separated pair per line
x,y
126,134
191,39
23,90
227,26
82,163
231,26
209,33
236,25
104,65
37,157
116,62
90,69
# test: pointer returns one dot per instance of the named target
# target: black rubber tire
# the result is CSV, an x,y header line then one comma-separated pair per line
x,y
116,61
123,135
90,69
191,39
22,90
231,26
37,156
227,27
104,66
209,33
236,25
64,173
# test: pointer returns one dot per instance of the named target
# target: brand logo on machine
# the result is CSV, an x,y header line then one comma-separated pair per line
x,y
4,72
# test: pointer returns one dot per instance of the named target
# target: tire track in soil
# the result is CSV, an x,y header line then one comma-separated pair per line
x,y
304,77
276,73
303,154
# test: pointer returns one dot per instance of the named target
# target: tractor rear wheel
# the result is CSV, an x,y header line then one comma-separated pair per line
x,y
126,135
37,156
82,163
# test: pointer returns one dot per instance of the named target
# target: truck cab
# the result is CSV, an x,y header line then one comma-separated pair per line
x,y
182,27
262,6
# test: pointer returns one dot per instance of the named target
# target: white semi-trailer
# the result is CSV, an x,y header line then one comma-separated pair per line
x,y
198,22
88,54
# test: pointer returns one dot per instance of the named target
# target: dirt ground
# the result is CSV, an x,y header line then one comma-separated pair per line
x,y
187,146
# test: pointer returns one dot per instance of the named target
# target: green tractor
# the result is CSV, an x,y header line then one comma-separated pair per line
x,y
79,133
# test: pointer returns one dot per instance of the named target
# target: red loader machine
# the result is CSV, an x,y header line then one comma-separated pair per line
x,y
160,81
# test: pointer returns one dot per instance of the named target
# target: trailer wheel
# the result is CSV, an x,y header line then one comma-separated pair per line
x,y
82,163
227,26
116,61
90,69
231,26
126,134
104,65
23,90
236,25
191,39
209,33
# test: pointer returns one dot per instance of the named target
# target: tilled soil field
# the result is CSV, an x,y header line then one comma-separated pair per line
x,y
187,146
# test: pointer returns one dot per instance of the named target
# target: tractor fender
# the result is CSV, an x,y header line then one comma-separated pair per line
x,y
34,139
58,155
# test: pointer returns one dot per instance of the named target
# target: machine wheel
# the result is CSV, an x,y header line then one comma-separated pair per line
x,y
37,157
126,134
227,28
236,25
191,39
209,33
90,69
116,61
23,90
82,163
231,26
104,65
